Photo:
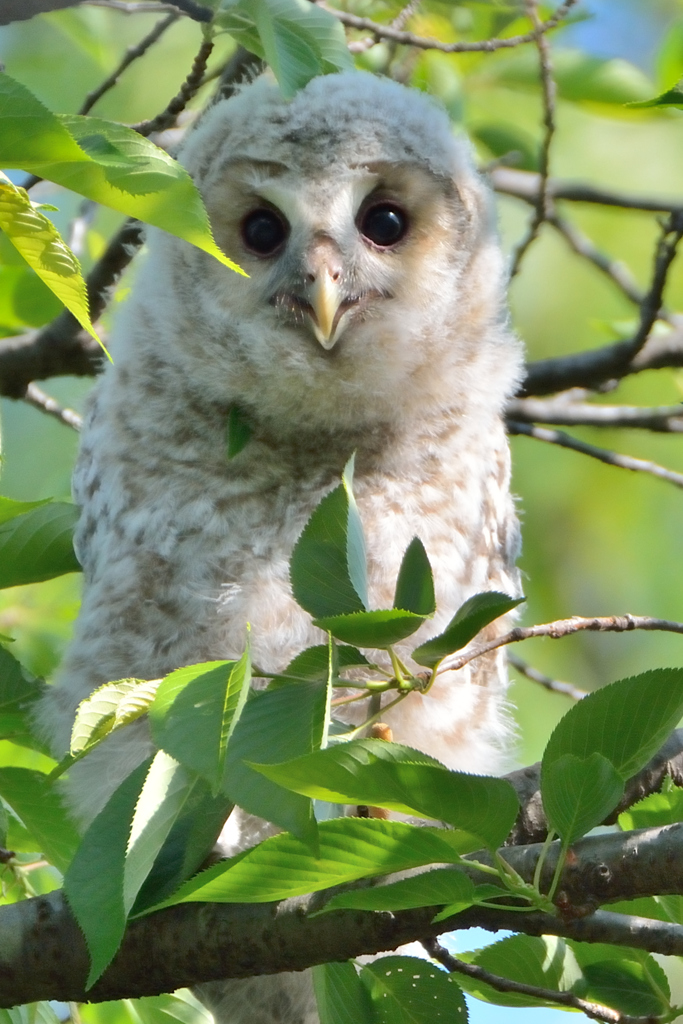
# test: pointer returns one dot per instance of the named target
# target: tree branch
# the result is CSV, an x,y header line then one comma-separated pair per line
x,y
661,419
43,956
525,185
593,1010
420,42
558,629
554,685
188,89
563,440
531,825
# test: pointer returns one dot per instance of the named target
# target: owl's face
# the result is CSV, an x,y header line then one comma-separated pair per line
x,y
373,271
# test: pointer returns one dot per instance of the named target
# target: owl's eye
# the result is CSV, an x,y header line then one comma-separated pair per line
x,y
263,231
384,224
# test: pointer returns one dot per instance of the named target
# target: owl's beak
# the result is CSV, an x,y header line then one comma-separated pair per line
x,y
325,297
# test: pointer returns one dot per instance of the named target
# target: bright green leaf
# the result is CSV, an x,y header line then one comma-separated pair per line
x,y
283,866
195,713
579,793
381,774
107,707
38,545
544,962
10,509
673,97
371,629
657,809
469,619
37,239
639,989
104,161
626,722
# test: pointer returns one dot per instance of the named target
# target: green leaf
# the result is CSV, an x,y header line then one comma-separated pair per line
x,y
38,545
277,725
196,710
432,889
382,774
93,883
298,40
18,694
313,664
108,707
104,161
626,722
341,996
182,1006
238,432
10,509
544,962
37,239
327,567
469,619
40,809
409,990
655,810
190,841
579,793
371,629
283,866
415,584
673,97
639,989
164,792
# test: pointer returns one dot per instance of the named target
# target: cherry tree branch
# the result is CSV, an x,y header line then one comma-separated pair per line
x,y
556,631
548,90
554,685
593,1010
666,419
558,437
396,35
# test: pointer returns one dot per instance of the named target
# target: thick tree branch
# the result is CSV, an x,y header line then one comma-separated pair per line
x,y
42,951
531,825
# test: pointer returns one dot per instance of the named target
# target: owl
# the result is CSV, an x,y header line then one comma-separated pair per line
x,y
372,321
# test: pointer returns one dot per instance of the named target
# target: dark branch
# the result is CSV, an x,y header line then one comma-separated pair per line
x,y
188,89
132,54
43,956
525,185
665,419
562,440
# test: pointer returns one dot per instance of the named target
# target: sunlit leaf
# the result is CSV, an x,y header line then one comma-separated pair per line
x,y
376,773
37,239
371,629
579,793
42,812
341,996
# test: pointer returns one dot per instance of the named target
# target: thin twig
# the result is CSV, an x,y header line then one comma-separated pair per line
x,y
422,43
524,185
543,202
188,89
36,397
563,440
595,1011
193,10
132,54
665,253
559,629
554,685
615,270
665,419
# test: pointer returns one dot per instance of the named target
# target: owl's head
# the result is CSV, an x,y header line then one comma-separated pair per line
x,y
374,274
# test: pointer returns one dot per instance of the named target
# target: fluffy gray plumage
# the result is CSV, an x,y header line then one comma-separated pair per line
x,y
335,343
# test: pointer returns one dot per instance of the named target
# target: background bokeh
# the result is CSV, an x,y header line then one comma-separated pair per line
x,y
597,540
